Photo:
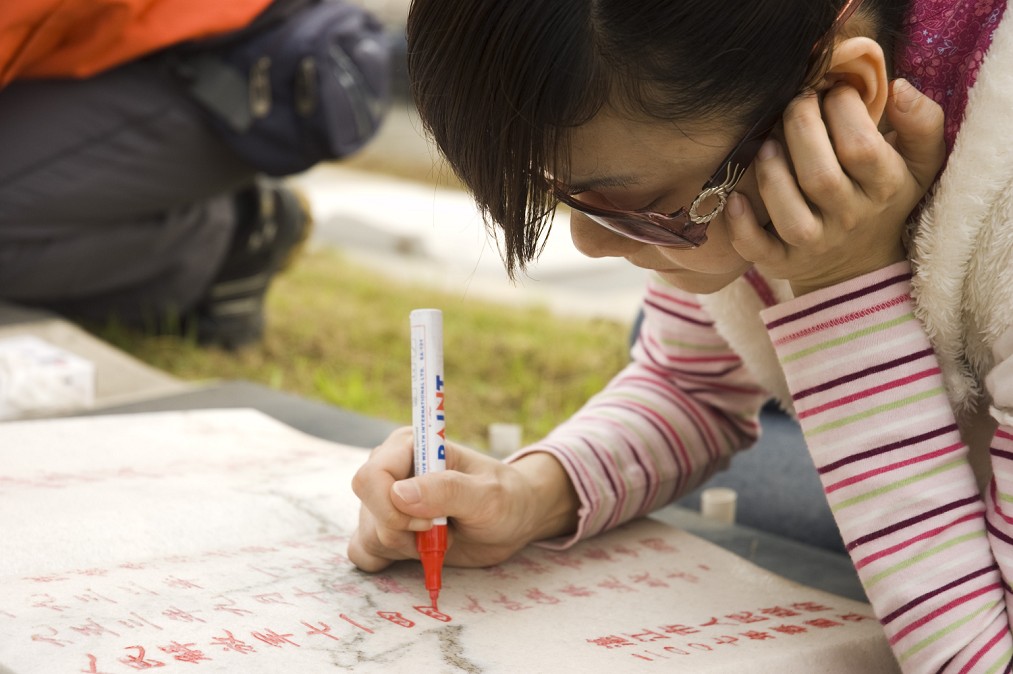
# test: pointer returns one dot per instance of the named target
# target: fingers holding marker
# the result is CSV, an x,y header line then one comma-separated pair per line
x,y
373,548
465,491
384,531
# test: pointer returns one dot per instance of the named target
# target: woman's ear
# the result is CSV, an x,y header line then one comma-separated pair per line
x,y
859,62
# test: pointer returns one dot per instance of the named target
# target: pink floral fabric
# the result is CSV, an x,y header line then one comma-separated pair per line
x,y
946,43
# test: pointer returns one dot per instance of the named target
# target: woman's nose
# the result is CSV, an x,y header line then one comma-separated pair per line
x,y
593,240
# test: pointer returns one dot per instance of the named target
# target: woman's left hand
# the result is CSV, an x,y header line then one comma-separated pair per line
x,y
842,212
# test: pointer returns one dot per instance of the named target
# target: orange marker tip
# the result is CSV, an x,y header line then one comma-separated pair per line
x,y
433,596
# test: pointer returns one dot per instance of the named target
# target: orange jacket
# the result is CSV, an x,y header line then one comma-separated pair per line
x,y
78,38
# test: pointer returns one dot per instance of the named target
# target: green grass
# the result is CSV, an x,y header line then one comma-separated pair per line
x,y
339,333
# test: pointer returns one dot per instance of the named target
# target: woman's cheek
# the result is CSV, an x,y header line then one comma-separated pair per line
x,y
715,256
595,241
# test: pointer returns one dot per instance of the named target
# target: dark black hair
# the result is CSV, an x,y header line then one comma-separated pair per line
x,y
498,83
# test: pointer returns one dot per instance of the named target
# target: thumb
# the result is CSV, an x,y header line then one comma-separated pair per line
x,y
442,494
917,121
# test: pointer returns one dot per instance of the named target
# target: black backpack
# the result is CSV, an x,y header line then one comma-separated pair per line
x,y
306,82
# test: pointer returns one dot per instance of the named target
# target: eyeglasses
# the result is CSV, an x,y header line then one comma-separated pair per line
x,y
687,227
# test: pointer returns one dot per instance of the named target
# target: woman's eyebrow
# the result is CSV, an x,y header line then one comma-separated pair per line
x,y
604,181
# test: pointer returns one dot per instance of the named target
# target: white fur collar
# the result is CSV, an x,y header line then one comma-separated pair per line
x,y
964,238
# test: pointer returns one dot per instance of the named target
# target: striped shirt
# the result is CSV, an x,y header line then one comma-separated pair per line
x,y
932,554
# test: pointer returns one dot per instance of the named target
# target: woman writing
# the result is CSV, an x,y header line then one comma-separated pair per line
x,y
759,159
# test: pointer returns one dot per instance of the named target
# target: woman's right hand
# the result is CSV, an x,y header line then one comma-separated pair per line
x,y
495,508
840,192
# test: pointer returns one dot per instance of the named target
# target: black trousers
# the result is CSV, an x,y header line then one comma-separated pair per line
x,y
115,196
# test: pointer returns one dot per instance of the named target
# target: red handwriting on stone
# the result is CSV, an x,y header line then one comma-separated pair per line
x,y
272,598
473,606
613,583
684,575
136,620
568,561
667,653
810,606
272,572
647,635
540,597
854,617
139,659
726,640
229,642
47,601
396,618
823,623
577,591
91,572
323,629
229,605
50,638
427,610
347,589
310,567
734,619
133,566
272,638
90,596
611,641
757,635
779,612
352,622
257,549
313,595
181,583
183,652
705,640
178,614
625,550
598,554
91,628
509,604
647,579
92,665
138,590
657,544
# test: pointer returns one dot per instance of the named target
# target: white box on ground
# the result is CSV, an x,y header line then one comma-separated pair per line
x,y
38,378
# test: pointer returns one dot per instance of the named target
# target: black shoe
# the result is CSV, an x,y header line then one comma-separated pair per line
x,y
273,223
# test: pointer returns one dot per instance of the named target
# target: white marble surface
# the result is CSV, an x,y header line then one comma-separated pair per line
x,y
214,541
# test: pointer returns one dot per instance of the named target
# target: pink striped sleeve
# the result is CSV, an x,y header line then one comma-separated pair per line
x,y
870,398
662,425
